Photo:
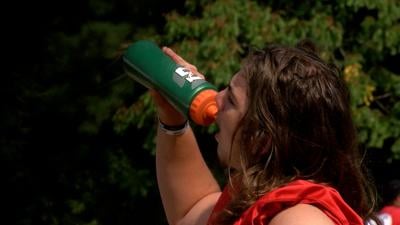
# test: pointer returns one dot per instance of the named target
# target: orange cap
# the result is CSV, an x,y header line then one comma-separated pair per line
x,y
203,109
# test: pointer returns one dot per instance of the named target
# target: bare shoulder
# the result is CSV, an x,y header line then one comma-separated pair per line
x,y
301,214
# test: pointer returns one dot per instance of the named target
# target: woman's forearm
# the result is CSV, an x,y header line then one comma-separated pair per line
x,y
183,176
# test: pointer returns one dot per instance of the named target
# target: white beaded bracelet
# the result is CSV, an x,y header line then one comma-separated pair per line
x,y
173,130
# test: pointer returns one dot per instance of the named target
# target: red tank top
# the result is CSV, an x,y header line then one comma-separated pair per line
x,y
325,198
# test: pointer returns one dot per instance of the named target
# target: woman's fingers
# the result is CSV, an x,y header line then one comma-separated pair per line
x,y
158,99
166,112
179,60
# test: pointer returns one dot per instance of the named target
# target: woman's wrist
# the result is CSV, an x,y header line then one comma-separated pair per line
x,y
174,130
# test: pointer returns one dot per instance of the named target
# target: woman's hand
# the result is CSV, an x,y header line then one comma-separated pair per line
x,y
166,112
179,60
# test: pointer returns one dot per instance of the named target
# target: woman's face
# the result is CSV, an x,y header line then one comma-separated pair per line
x,y
232,105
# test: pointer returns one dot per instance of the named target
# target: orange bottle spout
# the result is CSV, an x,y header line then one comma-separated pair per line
x,y
211,112
203,109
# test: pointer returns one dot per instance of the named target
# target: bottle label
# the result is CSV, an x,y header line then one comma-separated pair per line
x,y
183,75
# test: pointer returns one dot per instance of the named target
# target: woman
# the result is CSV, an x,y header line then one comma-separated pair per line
x,y
285,135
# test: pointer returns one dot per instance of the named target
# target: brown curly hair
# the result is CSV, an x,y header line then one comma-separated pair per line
x,y
299,122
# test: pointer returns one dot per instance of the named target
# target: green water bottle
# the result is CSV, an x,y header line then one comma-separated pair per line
x,y
189,93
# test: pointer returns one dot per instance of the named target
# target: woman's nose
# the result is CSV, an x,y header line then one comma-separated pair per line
x,y
219,98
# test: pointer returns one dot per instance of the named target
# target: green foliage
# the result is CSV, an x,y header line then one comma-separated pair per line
x,y
63,162
126,116
126,177
215,36
78,134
